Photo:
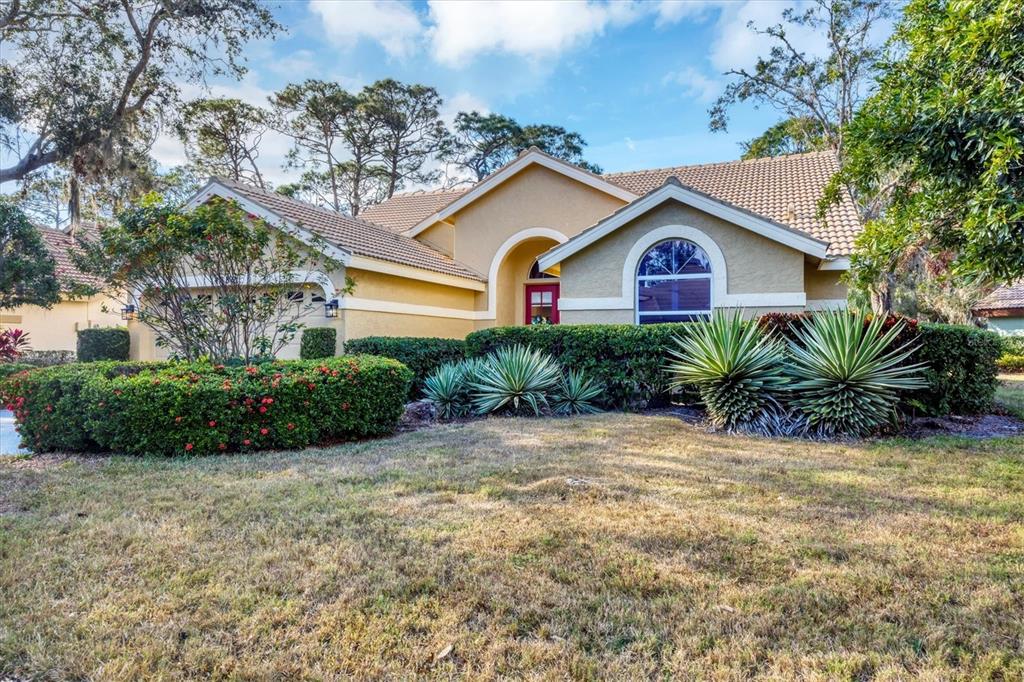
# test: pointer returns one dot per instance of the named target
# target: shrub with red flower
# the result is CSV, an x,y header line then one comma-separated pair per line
x,y
13,342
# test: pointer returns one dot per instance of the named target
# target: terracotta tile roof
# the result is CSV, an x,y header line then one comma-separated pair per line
x,y
60,244
403,211
785,189
1008,296
360,237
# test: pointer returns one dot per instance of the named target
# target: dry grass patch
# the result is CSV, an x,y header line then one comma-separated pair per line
x,y
612,546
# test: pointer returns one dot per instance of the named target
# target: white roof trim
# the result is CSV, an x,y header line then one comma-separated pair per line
x,y
840,263
761,226
215,188
500,176
414,273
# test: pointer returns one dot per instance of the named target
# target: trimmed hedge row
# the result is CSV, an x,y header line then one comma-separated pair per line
x,y
420,354
962,373
627,359
9,368
1010,363
182,408
103,343
318,342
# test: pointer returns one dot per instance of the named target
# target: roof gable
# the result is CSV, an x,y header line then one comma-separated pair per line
x,y
531,157
673,190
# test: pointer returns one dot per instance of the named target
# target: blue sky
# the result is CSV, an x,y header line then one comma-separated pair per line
x,y
634,78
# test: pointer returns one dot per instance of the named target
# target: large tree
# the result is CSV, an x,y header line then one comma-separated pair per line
x,y
222,137
335,142
822,91
409,132
27,272
482,143
249,275
87,83
942,141
789,136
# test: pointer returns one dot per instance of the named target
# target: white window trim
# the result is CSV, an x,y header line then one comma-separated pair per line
x,y
662,278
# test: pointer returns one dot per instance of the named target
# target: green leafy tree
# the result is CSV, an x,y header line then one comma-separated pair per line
x,y
942,143
482,143
27,275
222,137
790,136
212,282
821,91
408,131
335,142
84,84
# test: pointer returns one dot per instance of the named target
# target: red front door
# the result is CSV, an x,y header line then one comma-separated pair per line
x,y
541,304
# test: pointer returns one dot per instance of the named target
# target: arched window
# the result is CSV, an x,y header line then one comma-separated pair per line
x,y
673,283
535,272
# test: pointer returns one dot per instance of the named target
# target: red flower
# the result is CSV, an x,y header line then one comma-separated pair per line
x,y
263,409
246,442
212,423
290,426
344,406
223,446
264,432
188,446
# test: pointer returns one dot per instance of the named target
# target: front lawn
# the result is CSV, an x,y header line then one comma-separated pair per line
x,y
616,546
1010,393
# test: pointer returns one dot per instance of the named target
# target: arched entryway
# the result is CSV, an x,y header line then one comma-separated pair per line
x,y
522,294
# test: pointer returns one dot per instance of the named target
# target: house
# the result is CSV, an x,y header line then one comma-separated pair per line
x,y
543,241
56,328
1003,309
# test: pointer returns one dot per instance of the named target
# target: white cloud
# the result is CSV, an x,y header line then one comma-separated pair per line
x,y
672,11
462,101
533,30
694,83
395,25
736,46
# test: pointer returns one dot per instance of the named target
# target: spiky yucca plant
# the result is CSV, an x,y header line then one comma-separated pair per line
x,y
514,377
576,394
448,388
846,381
737,369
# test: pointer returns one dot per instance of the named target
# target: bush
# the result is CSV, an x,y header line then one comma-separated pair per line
x,y
1010,363
421,355
9,368
103,343
1012,345
47,402
961,372
514,378
318,342
198,408
626,359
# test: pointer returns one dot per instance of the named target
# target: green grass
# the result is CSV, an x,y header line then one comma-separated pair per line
x,y
1010,394
614,546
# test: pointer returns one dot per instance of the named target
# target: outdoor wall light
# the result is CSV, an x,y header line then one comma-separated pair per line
x,y
331,308
128,312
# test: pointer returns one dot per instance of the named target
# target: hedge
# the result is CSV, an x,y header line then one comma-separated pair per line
x,y
626,358
9,368
198,408
1012,344
103,343
1010,363
318,342
962,373
420,354
48,404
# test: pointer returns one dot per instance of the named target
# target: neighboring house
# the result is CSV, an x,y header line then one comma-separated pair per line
x,y
1003,309
57,328
541,240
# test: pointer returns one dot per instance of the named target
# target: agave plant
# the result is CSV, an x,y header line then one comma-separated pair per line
x,y
847,382
576,394
446,389
737,369
514,377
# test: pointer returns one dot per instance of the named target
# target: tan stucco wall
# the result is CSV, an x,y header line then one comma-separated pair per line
x,y
823,284
513,276
56,328
754,264
384,287
535,197
440,236
360,323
